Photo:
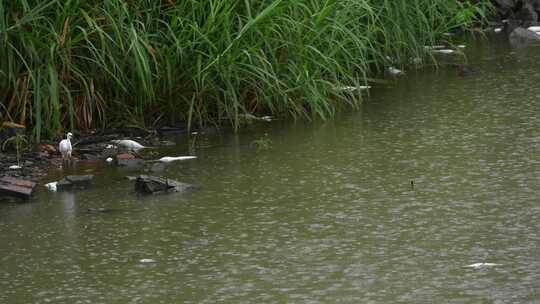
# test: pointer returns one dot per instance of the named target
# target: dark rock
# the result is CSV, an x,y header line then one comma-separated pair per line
x,y
521,37
464,70
16,187
535,4
131,163
88,156
526,13
151,185
75,182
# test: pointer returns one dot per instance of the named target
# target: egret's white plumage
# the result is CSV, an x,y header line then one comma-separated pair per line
x,y
129,144
109,160
168,159
65,147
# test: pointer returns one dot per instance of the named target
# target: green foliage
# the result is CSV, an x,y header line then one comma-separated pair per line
x,y
86,64
18,141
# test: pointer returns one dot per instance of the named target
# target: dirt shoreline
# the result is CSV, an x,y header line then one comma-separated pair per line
x,y
37,161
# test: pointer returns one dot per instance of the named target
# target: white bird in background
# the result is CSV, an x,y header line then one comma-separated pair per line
x,y
129,144
65,148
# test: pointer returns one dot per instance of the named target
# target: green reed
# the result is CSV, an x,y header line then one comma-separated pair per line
x,y
80,64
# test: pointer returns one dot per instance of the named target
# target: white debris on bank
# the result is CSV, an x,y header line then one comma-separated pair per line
x,y
392,71
129,144
168,159
498,30
434,47
109,160
444,51
15,167
481,265
352,89
51,186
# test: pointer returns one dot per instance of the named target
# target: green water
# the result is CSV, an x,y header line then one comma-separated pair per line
x,y
326,214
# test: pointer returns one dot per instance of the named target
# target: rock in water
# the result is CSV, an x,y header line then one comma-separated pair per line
x,y
75,182
151,185
157,167
521,37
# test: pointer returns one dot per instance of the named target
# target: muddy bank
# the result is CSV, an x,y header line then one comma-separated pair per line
x,y
33,162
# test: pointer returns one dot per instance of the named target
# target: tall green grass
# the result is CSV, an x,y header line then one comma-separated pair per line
x,y
68,64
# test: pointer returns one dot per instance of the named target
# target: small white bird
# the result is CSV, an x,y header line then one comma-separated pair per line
x,y
65,148
15,167
51,186
168,159
129,144
109,160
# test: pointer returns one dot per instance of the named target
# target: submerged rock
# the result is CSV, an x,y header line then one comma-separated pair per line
x,y
521,37
151,185
74,182
157,167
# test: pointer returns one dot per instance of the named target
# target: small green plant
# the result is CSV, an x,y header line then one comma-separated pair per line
x,y
19,141
263,143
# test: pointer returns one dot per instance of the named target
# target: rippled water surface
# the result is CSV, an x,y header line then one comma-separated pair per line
x,y
326,214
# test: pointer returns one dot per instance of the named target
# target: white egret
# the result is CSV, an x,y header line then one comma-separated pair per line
x,y
65,148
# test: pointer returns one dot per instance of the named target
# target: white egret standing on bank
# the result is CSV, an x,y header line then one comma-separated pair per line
x,y
65,148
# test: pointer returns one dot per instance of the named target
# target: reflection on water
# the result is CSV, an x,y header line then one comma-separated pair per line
x,y
325,215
